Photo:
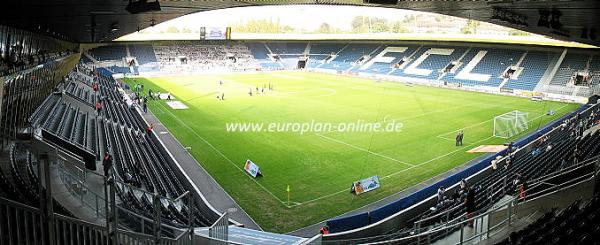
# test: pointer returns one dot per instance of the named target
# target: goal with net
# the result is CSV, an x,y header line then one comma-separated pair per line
x,y
510,124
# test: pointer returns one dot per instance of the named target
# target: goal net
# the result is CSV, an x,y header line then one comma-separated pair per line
x,y
510,124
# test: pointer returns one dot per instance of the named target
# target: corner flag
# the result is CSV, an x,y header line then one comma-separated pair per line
x,y
288,192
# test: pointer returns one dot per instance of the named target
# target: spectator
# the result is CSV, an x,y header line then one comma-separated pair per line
x,y
535,151
128,178
509,161
324,230
463,184
516,181
522,188
440,194
98,107
150,128
576,155
563,163
107,163
145,106
470,205
495,162
510,147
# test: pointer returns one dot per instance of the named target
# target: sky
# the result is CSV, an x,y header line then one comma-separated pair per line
x,y
305,19
300,16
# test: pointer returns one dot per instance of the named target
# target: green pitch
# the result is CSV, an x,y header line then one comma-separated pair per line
x,y
320,166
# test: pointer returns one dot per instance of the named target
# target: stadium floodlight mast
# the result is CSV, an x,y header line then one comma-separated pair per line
x,y
510,124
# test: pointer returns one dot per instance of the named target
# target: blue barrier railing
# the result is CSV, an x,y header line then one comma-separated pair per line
x,y
347,223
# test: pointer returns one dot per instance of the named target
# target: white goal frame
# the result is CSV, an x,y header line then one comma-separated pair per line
x,y
510,124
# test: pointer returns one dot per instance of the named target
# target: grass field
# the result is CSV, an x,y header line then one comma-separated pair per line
x,y
319,166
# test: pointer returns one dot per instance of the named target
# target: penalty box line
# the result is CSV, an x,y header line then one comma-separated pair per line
x,y
414,166
418,115
398,172
443,136
363,149
344,190
225,157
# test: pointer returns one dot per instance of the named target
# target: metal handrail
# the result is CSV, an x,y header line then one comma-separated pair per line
x,y
567,169
82,183
18,204
500,160
587,161
561,185
503,158
460,205
129,212
446,226
146,219
462,219
79,221
438,215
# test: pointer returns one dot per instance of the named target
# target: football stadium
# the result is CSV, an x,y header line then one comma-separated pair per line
x,y
299,122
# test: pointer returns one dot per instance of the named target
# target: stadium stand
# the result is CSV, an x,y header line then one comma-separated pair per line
x,y
534,66
85,59
287,48
119,69
143,53
349,56
195,58
574,224
110,52
69,114
531,162
261,54
19,178
149,185
318,48
493,68
62,106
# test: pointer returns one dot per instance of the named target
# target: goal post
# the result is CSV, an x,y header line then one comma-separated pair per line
x,y
510,124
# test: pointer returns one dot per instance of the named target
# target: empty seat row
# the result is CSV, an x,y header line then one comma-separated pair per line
x,y
576,224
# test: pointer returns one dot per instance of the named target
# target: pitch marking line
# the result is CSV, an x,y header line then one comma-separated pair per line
x,y
470,126
418,115
365,150
400,171
414,166
443,136
359,148
223,155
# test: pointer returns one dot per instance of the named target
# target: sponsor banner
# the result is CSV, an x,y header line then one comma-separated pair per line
x,y
531,94
215,33
252,168
365,185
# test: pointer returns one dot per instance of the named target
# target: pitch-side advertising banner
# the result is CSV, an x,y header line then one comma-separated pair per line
x,y
365,185
252,168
